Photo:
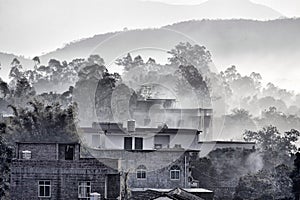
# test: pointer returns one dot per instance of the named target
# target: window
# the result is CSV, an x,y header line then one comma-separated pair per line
x,y
128,143
69,152
141,172
84,189
138,143
44,189
26,155
175,172
161,141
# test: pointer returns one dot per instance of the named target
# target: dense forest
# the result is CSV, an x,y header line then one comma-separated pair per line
x,y
32,108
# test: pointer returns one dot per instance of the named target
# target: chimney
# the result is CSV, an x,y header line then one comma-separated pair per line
x,y
131,125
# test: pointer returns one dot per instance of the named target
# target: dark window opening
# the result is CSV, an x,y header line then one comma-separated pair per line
x,y
44,189
141,172
69,152
128,143
138,143
175,172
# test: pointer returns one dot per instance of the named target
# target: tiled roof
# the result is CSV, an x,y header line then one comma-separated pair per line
x,y
175,194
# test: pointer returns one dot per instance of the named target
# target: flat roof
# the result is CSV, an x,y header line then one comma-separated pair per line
x,y
156,99
225,142
140,129
36,142
191,190
146,150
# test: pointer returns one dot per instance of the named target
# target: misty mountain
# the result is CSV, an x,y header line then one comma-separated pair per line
x,y
267,47
55,22
227,9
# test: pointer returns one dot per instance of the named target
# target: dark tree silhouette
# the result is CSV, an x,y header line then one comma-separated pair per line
x,y
42,122
295,176
275,147
6,154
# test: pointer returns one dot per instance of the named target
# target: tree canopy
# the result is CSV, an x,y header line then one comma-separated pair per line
x,y
43,122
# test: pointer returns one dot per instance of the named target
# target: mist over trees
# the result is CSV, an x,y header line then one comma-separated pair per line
x,y
48,102
189,67
228,91
273,180
264,172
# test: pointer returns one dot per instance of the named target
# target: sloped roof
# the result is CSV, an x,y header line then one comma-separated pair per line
x,y
175,194
181,194
146,195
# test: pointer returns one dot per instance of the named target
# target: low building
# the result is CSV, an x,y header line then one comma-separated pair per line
x,y
55,171
115,136
154,157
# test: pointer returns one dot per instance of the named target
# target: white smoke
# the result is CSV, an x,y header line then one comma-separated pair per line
x,y
254,162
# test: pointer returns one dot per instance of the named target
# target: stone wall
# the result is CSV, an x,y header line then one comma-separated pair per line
x,y
158,164
48,163
46,151
64,177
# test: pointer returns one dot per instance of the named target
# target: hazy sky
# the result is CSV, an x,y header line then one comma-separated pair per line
x,y
30,27
289,8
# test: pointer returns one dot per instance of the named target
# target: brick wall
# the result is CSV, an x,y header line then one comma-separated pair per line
x,y
158,164
64,177
39,151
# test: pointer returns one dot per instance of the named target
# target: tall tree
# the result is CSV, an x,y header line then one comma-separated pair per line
x,y
126,62
103,96
23,89
187,54
191,76
16,72
85,90
276,147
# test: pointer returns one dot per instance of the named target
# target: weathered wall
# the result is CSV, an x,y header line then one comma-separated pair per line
x,y
64,177
39,151
47,163
158,164
45,151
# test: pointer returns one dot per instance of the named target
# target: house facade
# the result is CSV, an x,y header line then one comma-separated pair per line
x,y
57,171
154,157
